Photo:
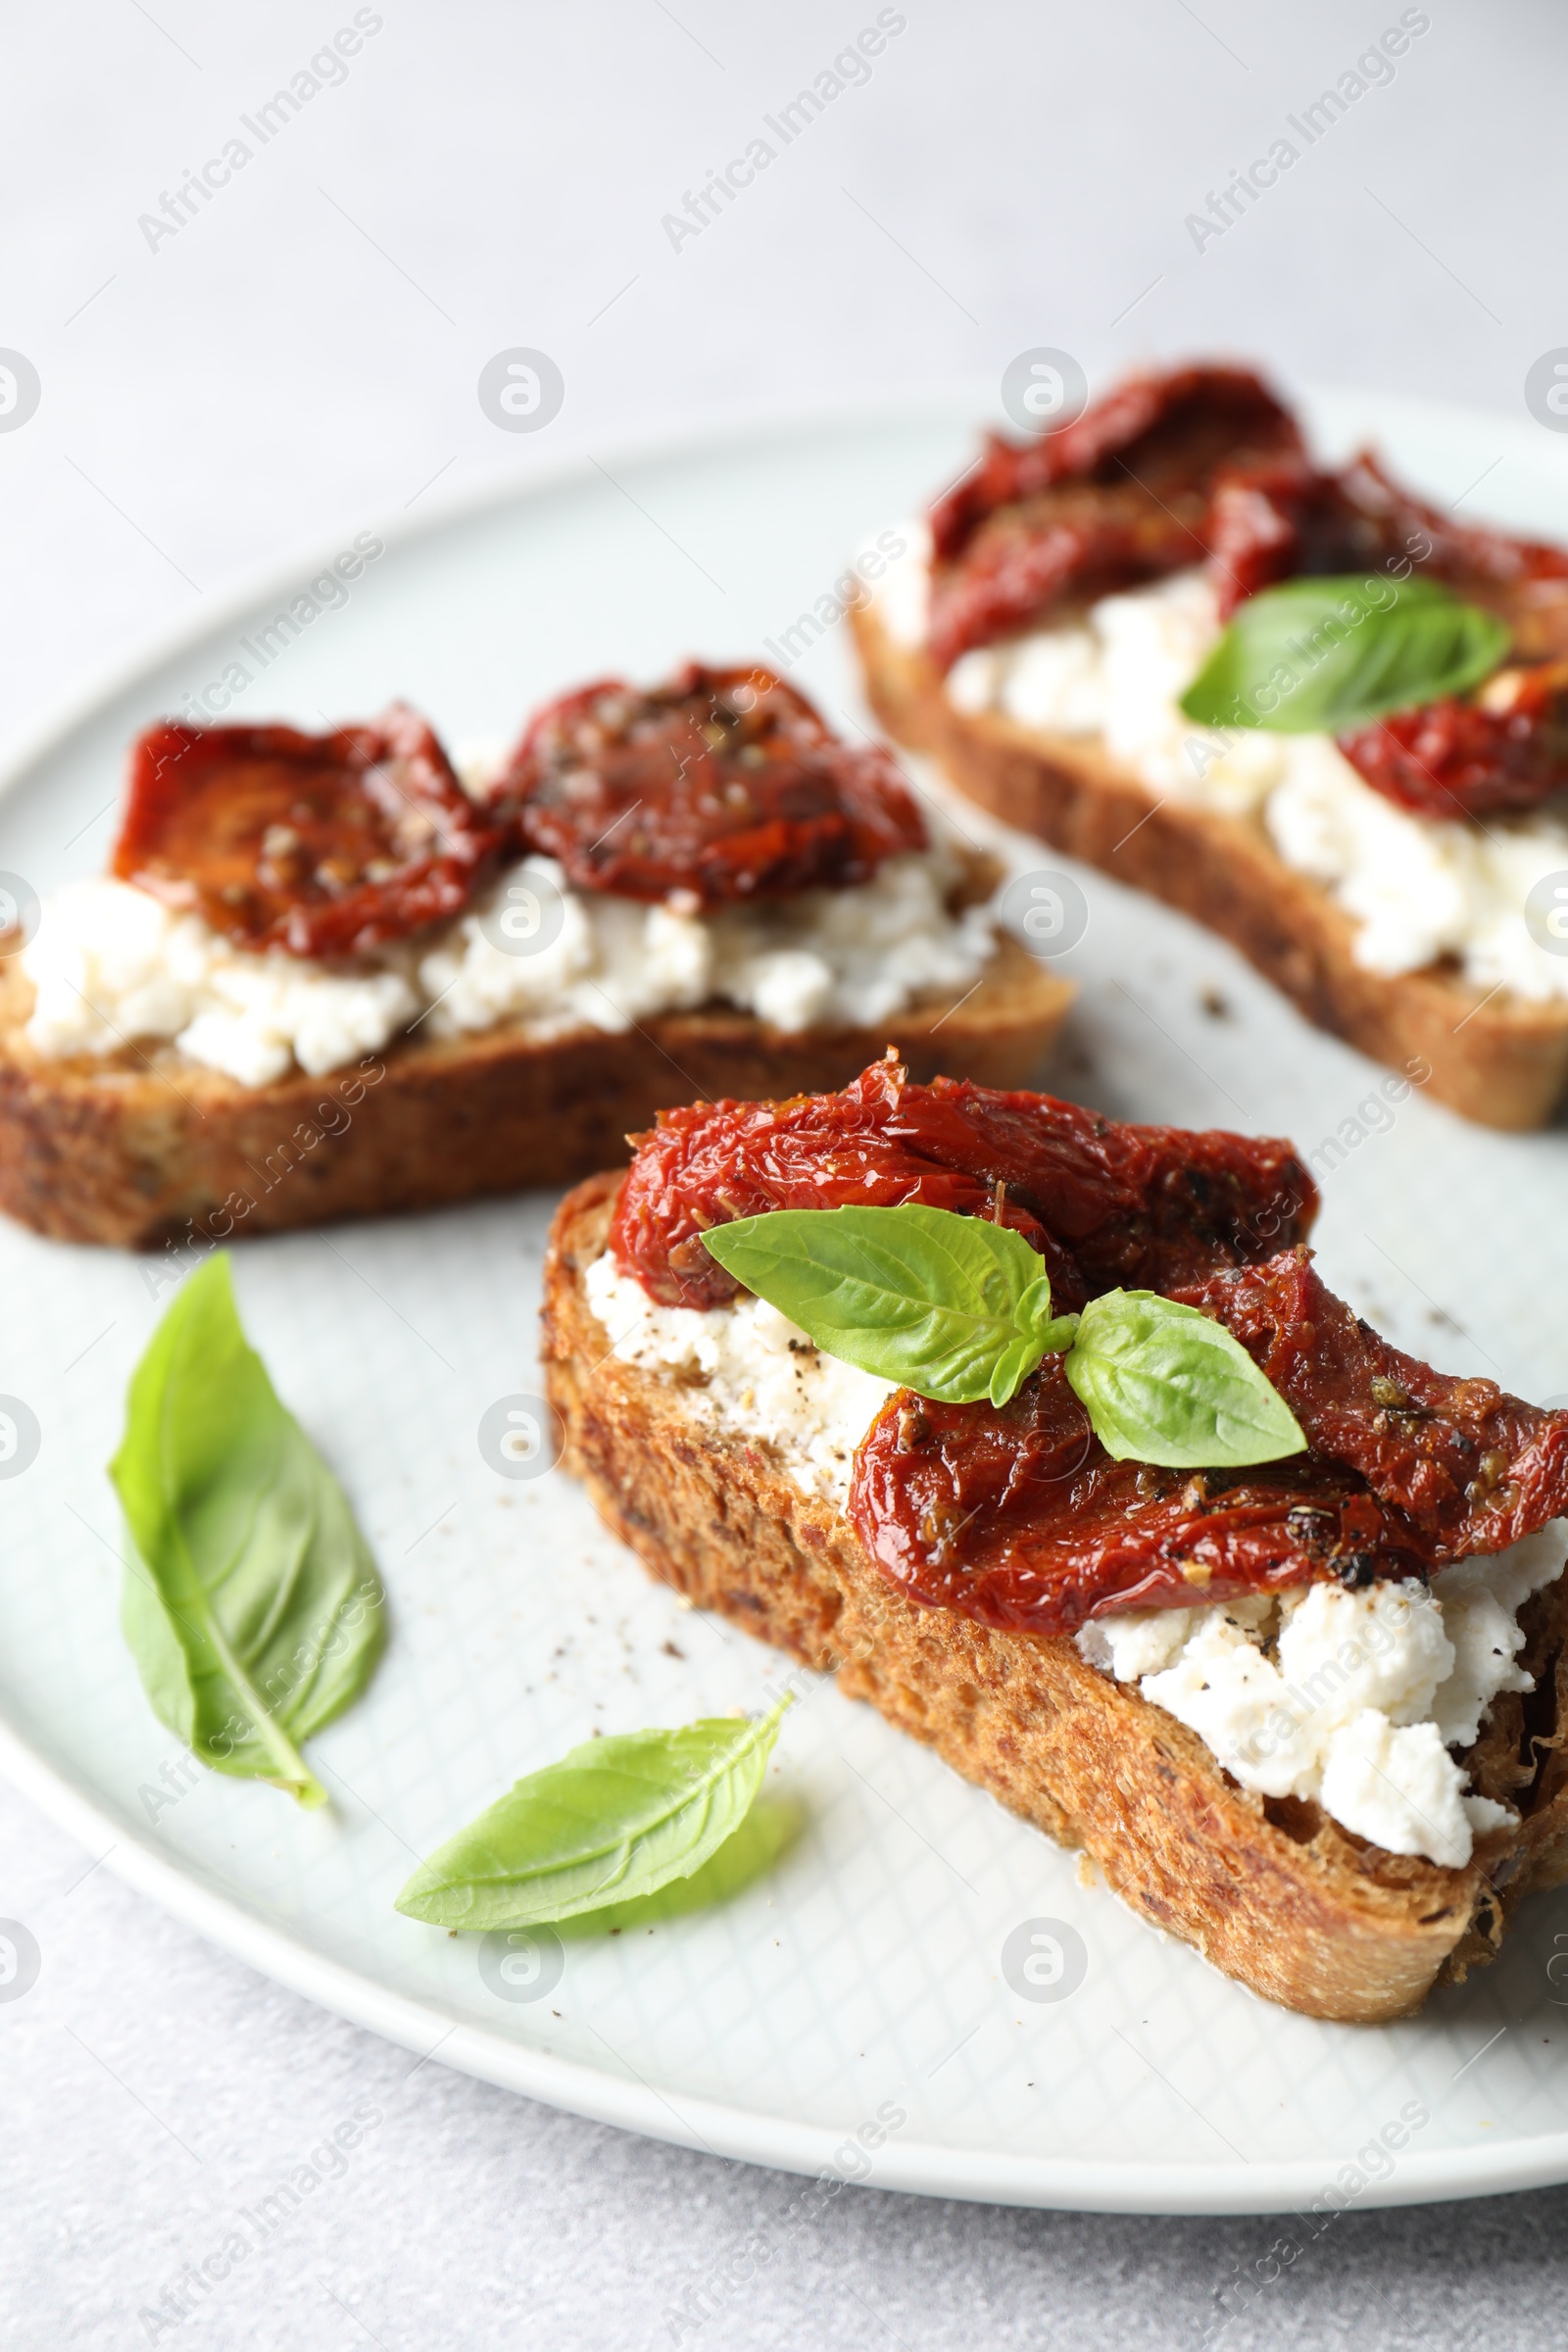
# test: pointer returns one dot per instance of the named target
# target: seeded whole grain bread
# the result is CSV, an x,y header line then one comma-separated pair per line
x,y
1270,1891
1494,1056
143,1146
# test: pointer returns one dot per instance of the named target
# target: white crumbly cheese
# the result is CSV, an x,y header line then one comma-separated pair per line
x,y
852,955
1353,1698
1418,888
111,965
1481,1602
748,1368
610,962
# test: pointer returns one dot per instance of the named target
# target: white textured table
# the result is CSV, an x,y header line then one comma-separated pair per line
x,y
301,354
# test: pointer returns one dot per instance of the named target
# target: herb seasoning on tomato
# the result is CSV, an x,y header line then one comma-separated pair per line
x,y
322,845
723,786
1018,1516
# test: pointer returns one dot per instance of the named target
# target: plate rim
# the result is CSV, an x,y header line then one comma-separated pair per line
x,y
759,2136
715,2128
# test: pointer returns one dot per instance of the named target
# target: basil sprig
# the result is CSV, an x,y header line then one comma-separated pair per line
x,y
616,1821
1318,656
251,1603
957,1309
953,1306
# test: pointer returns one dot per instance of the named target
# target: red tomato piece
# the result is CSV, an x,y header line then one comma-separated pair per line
x,y
1017,1516
322,845
1498,754
1103,1202
725,785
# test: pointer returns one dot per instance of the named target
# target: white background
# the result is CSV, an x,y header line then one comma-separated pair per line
x,y
302,358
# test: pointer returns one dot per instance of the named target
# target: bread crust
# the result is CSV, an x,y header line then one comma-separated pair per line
x,y
143,1146
1273,1893
1494,1057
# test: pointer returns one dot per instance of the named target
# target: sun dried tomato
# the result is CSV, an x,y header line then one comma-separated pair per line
x,y
1283,521
1497,756
322,845
1499,752
1118,497
1276,522
1017,1516
1081,539
725,785
1170,430
1103,1202
1472,1468
1202,464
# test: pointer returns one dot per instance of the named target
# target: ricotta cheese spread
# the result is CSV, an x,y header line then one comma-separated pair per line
x,y
1353,1698
747,1368
110,963
1417,888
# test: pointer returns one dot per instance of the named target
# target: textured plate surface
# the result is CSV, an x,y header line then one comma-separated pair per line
x,y
866,1975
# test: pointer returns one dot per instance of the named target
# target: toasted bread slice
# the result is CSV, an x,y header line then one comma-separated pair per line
x,y
142,1145
1272,1891
1494,1056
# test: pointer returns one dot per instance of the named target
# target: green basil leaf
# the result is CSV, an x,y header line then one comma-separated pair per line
x,y
747,1854
614,1820
250,1602
954,1307
1320,656
1164,1384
